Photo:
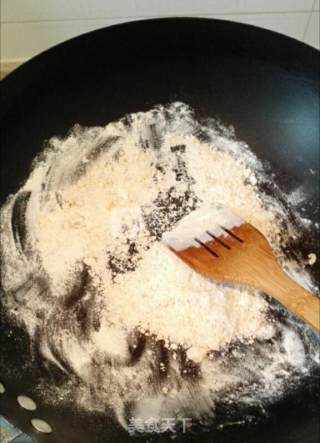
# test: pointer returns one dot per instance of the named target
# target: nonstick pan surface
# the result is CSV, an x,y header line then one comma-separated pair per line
x,y
264,84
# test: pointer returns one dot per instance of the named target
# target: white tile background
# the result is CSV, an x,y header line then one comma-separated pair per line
x,y
31,26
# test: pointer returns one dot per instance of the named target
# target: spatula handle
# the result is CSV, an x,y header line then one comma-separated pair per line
x,y
298,300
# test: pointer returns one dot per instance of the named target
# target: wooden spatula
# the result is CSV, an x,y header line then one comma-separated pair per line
x,y
221,246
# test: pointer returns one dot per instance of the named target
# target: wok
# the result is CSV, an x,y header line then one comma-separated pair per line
x,y
264,84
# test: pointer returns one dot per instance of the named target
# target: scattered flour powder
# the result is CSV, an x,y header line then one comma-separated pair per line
x,y
85,272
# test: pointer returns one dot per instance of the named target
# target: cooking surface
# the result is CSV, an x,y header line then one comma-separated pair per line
x,y
263,84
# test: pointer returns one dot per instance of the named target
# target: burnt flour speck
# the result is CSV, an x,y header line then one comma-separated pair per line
x,y
85,273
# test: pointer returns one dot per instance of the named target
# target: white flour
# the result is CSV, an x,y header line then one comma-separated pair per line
x,y
84,255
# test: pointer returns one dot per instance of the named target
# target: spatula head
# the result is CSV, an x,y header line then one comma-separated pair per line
x,y
218,244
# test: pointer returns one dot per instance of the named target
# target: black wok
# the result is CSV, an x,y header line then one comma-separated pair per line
x,y
264,84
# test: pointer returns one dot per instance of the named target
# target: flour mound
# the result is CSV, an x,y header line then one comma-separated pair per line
x,y
85,272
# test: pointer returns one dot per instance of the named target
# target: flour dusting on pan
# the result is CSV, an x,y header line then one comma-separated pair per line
x,y
85,273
